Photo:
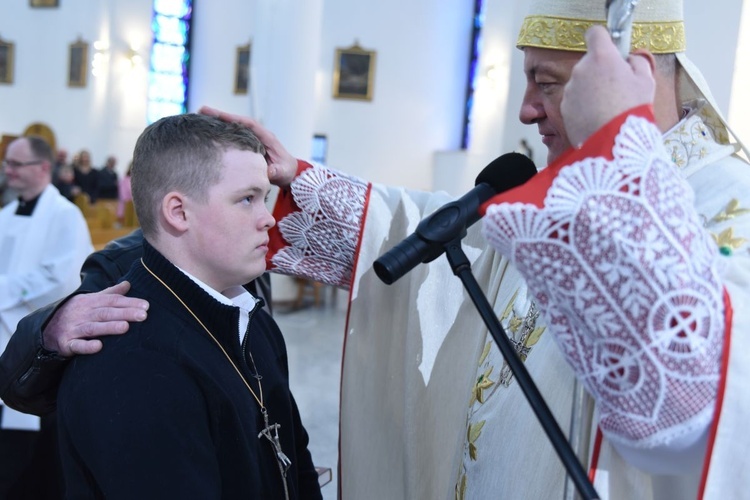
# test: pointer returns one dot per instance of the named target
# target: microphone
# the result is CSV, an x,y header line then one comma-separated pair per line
x,y
452,219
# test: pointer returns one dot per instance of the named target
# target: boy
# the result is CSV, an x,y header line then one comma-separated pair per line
x,y
195,401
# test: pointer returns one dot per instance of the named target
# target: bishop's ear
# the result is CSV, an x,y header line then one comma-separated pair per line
x,y
650,58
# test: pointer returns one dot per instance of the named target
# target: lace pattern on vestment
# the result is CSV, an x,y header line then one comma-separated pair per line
x,y
323,235
620,264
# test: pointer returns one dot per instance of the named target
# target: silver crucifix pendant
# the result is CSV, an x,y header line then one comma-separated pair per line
x,y
274,440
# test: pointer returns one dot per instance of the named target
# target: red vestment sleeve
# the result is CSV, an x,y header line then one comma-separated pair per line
x,y
284,206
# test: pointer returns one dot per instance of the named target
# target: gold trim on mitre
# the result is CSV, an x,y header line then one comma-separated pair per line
x,y
563,33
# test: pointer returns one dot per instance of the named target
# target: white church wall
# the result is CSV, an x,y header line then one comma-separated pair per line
x,y
286,62
102,116
420,77
739,107
711,32
213,56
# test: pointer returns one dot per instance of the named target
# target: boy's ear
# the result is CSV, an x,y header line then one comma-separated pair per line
x,y
173,211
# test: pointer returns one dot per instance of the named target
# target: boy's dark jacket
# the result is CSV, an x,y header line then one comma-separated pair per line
x,y
161,412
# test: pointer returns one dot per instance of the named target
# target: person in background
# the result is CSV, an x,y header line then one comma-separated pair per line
x,y
6,193
108,182
66,182
86,177
124,193
43,241
61,159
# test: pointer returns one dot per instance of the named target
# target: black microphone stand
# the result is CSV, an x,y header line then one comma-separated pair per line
x,y
462,268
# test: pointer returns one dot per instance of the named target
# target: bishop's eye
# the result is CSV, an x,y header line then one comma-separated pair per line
x,y
546,86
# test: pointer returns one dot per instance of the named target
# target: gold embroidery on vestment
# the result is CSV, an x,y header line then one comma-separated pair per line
x,y
483,382
561,33
731,211
523,334
461,488
473,433
688,142
726,239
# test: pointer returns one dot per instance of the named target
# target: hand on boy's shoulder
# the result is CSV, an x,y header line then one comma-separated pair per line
x,y
75,325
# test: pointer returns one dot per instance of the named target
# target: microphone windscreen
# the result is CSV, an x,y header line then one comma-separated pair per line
x,y
507,171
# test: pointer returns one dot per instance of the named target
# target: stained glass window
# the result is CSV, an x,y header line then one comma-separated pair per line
x,y
476,45
170,59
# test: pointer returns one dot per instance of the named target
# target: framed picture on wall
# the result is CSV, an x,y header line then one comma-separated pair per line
x,y
7,53
242,70
44,3
78,57
354,73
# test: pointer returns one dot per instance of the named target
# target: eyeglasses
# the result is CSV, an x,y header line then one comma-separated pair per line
x,y
19,164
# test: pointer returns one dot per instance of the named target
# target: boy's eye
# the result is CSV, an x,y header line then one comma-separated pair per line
x,y
252,198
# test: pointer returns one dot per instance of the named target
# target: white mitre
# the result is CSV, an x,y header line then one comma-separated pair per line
x,y
658,26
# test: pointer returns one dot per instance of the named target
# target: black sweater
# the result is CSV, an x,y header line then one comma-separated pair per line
x,y
161,413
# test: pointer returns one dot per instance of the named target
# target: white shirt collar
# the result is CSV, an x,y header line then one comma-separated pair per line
x,y
236,296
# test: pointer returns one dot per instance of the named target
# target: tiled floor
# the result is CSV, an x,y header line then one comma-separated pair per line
x,y
314,338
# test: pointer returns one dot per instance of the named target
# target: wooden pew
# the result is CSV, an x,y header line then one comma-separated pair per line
x,y
100,237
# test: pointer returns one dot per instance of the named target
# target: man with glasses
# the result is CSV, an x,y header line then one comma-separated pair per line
x,y
44,240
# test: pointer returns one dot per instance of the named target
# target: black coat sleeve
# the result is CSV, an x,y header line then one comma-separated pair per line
x,y
29,373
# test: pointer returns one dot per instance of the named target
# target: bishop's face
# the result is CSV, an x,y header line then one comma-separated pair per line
x,y
228,236
547,71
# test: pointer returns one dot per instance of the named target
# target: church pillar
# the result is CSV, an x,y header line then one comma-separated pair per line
x,y
285,60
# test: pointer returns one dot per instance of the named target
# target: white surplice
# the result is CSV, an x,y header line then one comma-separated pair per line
x,y
40,262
